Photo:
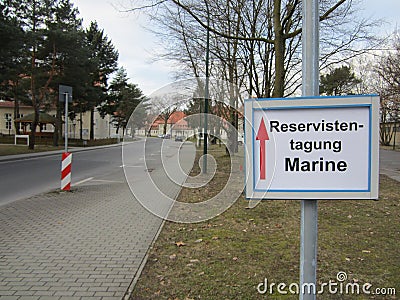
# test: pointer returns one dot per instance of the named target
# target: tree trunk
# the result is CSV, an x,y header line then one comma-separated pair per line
x,y
279,44
80,125
16,107
92,124
58,126
165,126
34,101
33,127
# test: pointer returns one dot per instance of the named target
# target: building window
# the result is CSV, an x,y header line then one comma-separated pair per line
x,y
20,127
7,117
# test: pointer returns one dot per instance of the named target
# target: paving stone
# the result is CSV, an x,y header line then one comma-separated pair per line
x,y
64,293
83,294
73,245
44,293
104,294
45,297
8,293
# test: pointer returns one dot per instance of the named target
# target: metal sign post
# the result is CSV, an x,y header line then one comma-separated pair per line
x,y
309,208
66,123
299,148
65,95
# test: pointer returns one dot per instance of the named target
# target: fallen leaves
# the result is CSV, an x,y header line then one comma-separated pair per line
x,y
180,244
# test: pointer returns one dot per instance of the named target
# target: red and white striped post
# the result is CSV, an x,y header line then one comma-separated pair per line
x,y
65,95
66,171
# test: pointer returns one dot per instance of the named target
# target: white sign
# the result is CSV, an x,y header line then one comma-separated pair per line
x,y
312,148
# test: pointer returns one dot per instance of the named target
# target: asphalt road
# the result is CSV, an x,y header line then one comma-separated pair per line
x,y
389,163
28,177
91,243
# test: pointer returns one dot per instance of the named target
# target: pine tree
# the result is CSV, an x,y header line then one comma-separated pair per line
x,y
123,98
340,81
104,59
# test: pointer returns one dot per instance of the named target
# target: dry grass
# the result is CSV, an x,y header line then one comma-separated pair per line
x,y
228,256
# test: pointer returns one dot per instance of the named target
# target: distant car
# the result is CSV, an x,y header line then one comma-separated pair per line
x,y
240,139
167,136
179,138
161,136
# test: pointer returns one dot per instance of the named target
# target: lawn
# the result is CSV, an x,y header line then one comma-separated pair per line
x,y
228,256
6,149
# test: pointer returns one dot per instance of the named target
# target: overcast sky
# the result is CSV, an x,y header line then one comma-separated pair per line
x,y
136,45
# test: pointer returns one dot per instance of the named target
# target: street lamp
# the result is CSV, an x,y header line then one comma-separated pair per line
x,y
206,96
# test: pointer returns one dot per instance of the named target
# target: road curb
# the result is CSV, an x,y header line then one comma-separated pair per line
x,y
9,158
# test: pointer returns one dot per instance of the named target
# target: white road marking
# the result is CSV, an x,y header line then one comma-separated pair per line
x,y
82,181
111,181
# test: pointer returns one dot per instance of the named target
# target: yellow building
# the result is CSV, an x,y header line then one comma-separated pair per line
x,y
103,128
393,128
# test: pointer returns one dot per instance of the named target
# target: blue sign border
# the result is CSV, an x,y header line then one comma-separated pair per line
x,y
304,106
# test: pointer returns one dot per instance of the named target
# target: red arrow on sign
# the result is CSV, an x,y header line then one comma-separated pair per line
x,y
262,136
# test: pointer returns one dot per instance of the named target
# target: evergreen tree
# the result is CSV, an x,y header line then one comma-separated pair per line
x,y
66,37
43,45
340,81
32,14
123,98
12,41
104,59
13,61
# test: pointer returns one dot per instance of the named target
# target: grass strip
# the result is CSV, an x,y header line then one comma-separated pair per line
x,y
229,256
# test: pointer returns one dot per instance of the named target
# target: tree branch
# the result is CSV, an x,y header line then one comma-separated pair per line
x,y
213,30
321,18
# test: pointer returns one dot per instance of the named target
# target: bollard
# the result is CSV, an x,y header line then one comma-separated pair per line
x,y
66,171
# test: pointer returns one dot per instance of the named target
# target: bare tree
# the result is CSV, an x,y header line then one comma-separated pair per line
x,y
380,73
388,70
257,39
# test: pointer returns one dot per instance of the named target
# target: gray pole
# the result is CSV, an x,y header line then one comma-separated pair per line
x,y
66,123
309,208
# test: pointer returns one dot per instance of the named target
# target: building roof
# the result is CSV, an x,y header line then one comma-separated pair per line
x,y
11,104
176,116
43,119
173,118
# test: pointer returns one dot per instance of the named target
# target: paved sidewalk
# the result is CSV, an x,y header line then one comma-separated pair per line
x,y
389,164
84,244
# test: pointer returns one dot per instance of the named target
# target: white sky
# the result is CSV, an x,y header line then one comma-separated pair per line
x,y
137,46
